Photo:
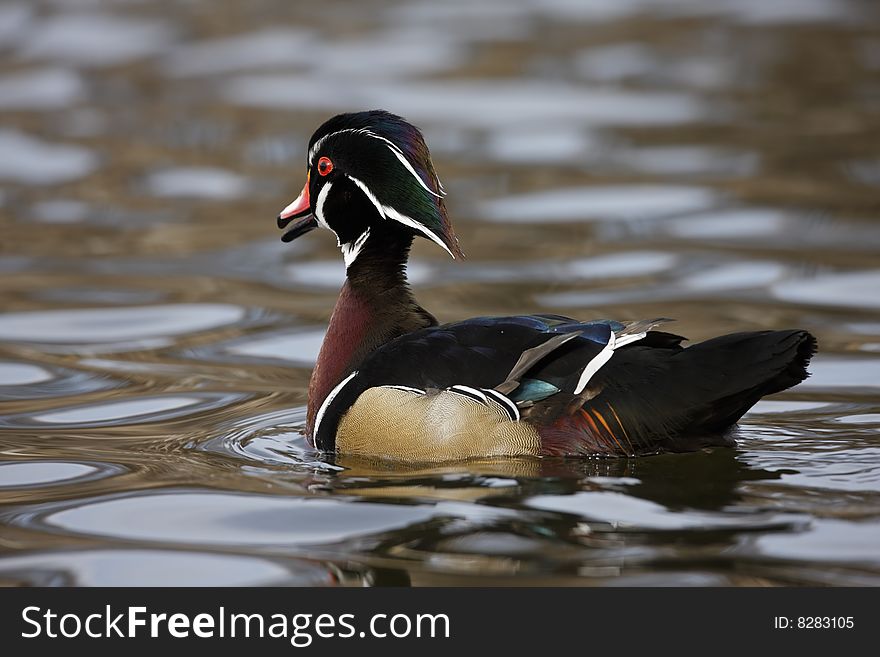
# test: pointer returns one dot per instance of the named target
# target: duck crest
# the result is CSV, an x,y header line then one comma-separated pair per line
x,y
390,382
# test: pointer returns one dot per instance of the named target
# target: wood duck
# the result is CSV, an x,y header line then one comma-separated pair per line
x,y
390,382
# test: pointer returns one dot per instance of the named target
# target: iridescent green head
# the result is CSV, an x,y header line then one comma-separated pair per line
x,y
367,173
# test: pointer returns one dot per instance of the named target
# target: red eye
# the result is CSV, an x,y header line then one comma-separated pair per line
x,y
325,166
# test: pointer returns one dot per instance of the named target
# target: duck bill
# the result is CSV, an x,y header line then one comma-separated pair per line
x,y
299,227
298,216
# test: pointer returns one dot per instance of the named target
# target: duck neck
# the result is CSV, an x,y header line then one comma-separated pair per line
x,y
375,306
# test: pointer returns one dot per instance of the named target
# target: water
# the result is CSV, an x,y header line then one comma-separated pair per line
x,y
604,159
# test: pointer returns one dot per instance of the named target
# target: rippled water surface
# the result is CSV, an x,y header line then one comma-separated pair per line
x,y
718,163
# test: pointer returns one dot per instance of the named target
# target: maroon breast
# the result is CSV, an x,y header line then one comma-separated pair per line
x,y
345,338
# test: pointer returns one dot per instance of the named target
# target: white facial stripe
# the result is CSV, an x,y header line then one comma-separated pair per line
x,y
370,195
351,250
399,154
317,146
387,212
319,205
329,399
412,223
313,151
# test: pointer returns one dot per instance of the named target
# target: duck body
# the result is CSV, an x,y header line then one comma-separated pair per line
x,y
461,390
391,382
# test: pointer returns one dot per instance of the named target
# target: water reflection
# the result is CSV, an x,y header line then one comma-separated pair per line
x,y
268,48
40,89
18,374
155,408
624,203
159,568
94,39
856,374
740,223
60,211
25,159
201,182
220,519
21,381
298,348
100,326
474,104
42,473
859,289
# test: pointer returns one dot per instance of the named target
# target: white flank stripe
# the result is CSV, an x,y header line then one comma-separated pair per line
x,y
406,388
351,250
594,365
510,407
467,391
398,153
319,205
329,399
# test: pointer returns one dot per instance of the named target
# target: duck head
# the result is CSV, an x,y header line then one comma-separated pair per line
x,y
369,174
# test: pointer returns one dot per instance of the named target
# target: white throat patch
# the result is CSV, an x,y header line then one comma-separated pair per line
x,y
351,250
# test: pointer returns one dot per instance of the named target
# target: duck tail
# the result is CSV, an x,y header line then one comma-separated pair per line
x,y
732,372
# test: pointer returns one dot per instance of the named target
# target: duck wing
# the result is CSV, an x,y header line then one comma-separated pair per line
x,y
653,397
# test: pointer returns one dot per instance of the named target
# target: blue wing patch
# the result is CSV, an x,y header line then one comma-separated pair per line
x,y
598,332
533,390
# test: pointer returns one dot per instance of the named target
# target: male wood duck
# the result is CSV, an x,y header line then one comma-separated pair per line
x,y
391,382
